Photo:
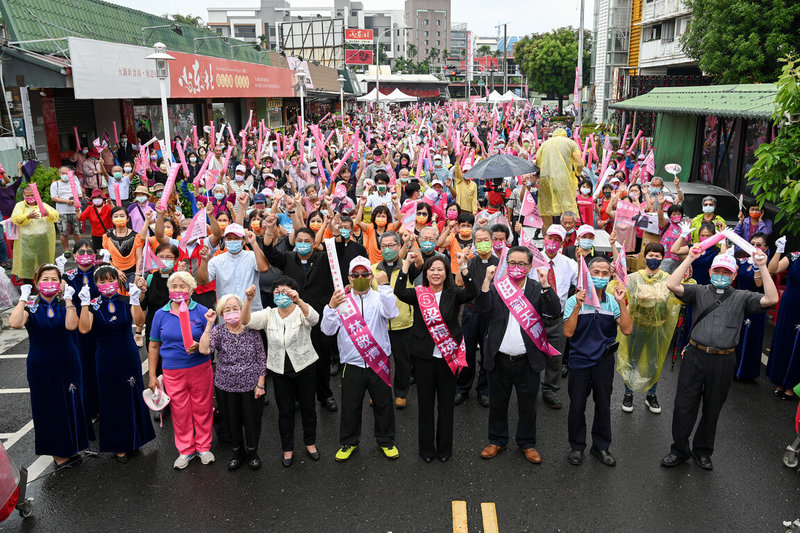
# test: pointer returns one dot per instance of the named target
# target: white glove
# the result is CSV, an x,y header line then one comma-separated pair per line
x,y
25,292
85,295
69,292
134,294
780,245
61,262
686,229
105,255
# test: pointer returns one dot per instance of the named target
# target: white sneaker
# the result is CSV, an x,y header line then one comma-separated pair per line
x,y
182,461
206,457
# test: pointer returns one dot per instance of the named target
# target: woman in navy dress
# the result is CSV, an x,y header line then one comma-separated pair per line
x,y
84,254
124,419
783,368
54,368
751,340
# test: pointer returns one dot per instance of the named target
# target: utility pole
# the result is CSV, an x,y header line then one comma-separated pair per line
x,y
580,66
505,58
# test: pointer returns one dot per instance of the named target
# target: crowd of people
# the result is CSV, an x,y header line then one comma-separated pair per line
x,y
362,252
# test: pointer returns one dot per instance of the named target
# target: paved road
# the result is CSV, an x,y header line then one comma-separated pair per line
x,y
749,490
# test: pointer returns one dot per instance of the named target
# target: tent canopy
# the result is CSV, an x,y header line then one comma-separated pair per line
x,y
509,96
399,96
370,97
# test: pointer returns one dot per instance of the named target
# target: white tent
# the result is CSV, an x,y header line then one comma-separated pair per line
x,y
370,97
493,98
398,96
509,96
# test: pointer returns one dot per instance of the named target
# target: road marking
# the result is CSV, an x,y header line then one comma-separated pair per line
x,y
489,513
460,516
15,391
38,466
14,438
14,356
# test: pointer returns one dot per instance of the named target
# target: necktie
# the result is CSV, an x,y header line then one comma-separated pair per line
x,y
551,277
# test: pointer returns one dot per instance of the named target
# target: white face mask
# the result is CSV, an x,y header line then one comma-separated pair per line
x,y
97,201
585,190
127,169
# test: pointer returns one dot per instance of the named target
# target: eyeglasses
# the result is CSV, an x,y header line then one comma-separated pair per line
x,y
391,245
516,264
708,205
365,274
422,213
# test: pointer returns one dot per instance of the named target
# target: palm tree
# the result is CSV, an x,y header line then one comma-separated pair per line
x,y
412,50
484,50
263,40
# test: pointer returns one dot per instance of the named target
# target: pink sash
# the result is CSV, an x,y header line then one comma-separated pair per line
x,y
368,348
454,354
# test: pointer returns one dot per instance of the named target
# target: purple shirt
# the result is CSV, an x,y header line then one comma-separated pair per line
x,y
135,212
241,359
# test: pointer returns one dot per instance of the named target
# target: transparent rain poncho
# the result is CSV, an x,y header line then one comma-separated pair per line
x,y
36,243
560,164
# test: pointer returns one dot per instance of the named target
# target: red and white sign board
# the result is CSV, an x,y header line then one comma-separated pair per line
x,y
357,36
358,57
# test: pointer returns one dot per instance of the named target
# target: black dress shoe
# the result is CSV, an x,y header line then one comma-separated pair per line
x,y
426,458
575,457
704,462
314,455
69,463
122,459
444,458
483,400
287,462
460,398
330,405
605,457
234,464
253,460
670,460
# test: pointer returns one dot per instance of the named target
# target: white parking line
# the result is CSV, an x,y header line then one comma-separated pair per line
x,y
38,466
15,391
14,356
14,437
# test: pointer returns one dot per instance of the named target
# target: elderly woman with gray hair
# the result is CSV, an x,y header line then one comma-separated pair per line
x,y
239,378
188,378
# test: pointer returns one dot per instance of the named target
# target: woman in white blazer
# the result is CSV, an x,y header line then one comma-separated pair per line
x,y
291,360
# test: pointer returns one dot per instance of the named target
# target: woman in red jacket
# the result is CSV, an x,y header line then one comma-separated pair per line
x,y
99,215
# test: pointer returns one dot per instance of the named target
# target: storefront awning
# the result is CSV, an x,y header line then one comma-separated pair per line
x,y
754,101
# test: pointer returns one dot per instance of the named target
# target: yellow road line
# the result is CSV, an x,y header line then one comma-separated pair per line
x,y
460,516
489,513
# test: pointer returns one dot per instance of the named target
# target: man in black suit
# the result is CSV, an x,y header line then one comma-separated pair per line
x,y
124,150
512,360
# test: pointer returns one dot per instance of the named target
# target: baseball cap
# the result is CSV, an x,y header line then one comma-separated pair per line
x,y
241,168
259,198
234,229
585,229
725,261
557,229
359,261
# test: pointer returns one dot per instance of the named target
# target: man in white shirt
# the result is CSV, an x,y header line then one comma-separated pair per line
x,y
562,276
377,308
61,194
118,180
382,196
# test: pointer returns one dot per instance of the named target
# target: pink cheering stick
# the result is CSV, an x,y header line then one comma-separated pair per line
x,y
73,184
635,140
420,159
323,118
249,121
38,198
182,159
227,159
194,136
116,194
116,137
341,163
708,243
186,329
169,186
203,168
625,137
319,165
211,127
77,139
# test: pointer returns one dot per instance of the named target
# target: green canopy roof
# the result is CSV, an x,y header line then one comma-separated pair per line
x,y
736,101
28,20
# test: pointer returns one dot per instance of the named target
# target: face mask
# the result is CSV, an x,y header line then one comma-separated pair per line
x,y
192,159
233,247
427,246
516,273
108,289
389,254
570,231
437,164
720,281
585,190
97,201
465,232
633,197
232,317
169,232
654,191
222,226
85,259
381,188
118,175
380,222
587,244
403,180
755,214
653,264
269,185
498,246
239,177
361,284
676,219
168,264
123,140
127,170
452,215
324,212
708,209
422,219
607,194
30,201
64,177
483,247
85,152
295,163
178,297
163,168
282,301
551,247
153,158
303,248
268,164
315,226
255,225
49,288
120,222
345,234
219,195
599,283
140,199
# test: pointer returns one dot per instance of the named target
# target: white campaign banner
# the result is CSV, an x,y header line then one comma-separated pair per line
x,y
103,70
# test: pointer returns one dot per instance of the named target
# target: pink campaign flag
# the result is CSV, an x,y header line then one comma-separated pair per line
x,y
197,229
585,283
621,267
538,258
530,211
576,94
150,260
650,163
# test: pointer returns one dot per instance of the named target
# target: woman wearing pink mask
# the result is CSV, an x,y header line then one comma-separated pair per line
x,y
239,379
36,244
54,368
124,419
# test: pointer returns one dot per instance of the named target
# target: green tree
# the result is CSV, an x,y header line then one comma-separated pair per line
x,y
383,58
411,51
263,40
189,20
549,60
775,176
742,41
484,50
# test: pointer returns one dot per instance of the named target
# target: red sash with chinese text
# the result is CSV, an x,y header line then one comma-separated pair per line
x,y
454,354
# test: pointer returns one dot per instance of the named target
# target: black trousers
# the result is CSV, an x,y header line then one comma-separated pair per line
x,y
241,410
323,345
300,388
436,384
551,381
599,380
355,382
399,340
508,374
474,326
703,377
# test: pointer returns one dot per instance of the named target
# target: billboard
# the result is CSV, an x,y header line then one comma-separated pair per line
x,y
358,36
358,57
111,70
320,40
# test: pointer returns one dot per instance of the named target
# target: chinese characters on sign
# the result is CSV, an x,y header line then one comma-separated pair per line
x,y
358,57
357,36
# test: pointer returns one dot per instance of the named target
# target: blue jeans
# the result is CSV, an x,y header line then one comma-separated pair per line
x,y
650,392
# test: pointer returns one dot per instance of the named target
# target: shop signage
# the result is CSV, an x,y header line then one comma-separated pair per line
x,y
358,57
357,36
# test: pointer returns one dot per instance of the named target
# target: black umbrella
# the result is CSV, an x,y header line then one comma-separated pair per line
x,y
501,166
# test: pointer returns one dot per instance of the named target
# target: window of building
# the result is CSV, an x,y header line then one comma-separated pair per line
x,y
438,34
426,44
426,22
668,31
651,33
426,33
438,22
438,42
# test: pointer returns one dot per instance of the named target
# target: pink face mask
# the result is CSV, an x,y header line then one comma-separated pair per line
x,y
551,247
498,246
108,289
516,273
179,296
676,219
85,259
232,317
452,215
49,288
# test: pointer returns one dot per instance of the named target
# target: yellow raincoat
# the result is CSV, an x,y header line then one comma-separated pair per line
x,y
560,164
36,244
654,311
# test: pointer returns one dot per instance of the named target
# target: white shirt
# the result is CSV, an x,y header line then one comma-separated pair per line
x,y
376,200
377,308
566,271
436,352
513,343
234,274
63,190
124,187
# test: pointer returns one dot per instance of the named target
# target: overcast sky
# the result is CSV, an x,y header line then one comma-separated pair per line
x,y
523,16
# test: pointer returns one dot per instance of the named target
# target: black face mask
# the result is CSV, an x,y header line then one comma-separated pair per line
x,y
607,194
